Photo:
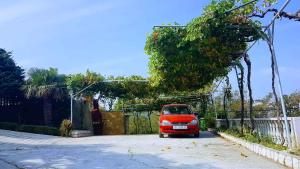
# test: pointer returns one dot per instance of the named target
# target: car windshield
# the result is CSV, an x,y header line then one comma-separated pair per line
x,y
176,110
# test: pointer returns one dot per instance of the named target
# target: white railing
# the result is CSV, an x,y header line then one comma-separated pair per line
x,y
270,127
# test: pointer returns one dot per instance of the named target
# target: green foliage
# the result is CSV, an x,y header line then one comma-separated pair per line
x,y
45,83
8,126
11,76
65,128
126,88
44,76
77,82
292,102
295,152
264,107
210,120
134,87
30,128
203,126
39,129
255,138
140,124
192,57
48,85
199,100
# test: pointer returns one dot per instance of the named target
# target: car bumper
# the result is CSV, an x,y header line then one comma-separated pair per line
x,y
170,130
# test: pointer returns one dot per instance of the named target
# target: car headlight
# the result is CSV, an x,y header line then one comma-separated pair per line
x,y
165,123
194,122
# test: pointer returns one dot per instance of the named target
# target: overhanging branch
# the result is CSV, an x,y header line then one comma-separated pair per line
x,y
282,14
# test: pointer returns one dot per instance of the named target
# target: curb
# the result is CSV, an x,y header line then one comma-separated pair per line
x,y
283,158
81,133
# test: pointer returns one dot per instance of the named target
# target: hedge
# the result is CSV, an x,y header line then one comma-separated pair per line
x,y
30,128
8,126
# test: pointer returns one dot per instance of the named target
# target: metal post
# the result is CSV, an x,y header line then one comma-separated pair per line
x,y
287,127
71,106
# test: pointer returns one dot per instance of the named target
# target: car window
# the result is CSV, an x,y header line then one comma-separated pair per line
x,y
176,110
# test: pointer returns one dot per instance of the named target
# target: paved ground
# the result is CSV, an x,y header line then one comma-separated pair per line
x,y
24,150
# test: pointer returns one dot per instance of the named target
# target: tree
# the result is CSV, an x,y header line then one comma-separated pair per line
x,y
186,58
77,82
190,58
293,103
11,76
46,84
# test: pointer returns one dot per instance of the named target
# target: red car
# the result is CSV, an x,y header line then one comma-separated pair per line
x,y
178,119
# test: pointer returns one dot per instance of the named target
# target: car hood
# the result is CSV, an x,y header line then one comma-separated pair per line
x,y
180,118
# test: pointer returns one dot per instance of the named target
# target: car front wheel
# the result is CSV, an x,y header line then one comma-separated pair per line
x,y
196,135
161,135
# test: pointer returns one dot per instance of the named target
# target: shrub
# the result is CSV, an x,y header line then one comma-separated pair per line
x,y
65,128
203,125
222,128
39,129
256,138
295,152
142,125
210,121
234,132
8,126
29,128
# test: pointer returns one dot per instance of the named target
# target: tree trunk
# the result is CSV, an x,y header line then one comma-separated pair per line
x,y
226,99
248,63
204,101
47,110
241,89
213,106
225,110
277,105
149,119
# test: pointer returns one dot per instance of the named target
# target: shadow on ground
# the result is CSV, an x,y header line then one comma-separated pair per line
x,y
96,156
203,134
25,135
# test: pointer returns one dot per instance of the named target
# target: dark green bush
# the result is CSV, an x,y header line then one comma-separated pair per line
x,y
30,128
39,129
221,128
210,121
8,126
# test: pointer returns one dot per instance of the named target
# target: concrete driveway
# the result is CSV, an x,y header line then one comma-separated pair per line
x,y
24,150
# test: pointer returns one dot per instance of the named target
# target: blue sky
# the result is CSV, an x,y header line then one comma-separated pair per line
x,y
108,36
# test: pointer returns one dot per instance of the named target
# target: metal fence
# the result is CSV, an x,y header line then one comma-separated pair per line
x,y
270,127
30,111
